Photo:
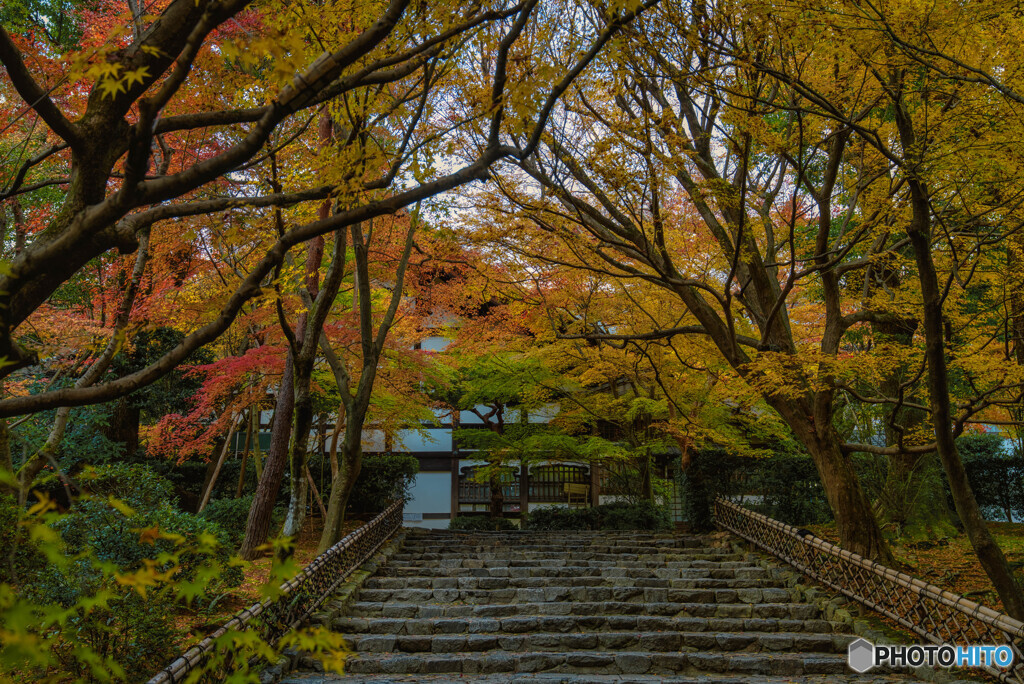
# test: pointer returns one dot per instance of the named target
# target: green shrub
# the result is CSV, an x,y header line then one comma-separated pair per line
x,y
783,486
133,631
104,543
642,515
95,526
143,530
230,514
480,523
17,554
94,612
560,518
791,490
382,479
134,484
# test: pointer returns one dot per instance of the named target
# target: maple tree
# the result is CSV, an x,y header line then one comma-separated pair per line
x,y
925,110
123,102
694,226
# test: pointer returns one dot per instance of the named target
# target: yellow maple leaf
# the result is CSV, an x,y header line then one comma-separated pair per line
x,y
110,87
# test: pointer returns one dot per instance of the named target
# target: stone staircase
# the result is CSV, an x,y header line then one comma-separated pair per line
x,y
585,607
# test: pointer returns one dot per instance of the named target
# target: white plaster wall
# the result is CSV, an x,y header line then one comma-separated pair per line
x,y
436,343
373,441
431,493
431,439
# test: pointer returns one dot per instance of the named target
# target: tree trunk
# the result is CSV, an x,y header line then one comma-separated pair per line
x,y
341,488
985,546
123,427
497,509
912,497
257,527
855,521
298,486
339,420
208,490
646,481
245,454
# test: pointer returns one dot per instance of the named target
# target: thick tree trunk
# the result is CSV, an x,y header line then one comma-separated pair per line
x,y
646,480
496,423
123,427
855,521
497,507
257,527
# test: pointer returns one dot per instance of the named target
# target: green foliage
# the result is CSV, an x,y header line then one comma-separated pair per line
x,y
98,604
122,561
16,553
783,486
85,441
109,581
981,445
59,20
623,515
130,538
134,484
382,479
642,515
479,523
561,518
172,392
791,490
996,477
230,515
187,479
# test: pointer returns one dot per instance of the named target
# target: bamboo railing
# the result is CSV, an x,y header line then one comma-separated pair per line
x,y
940,616
298,597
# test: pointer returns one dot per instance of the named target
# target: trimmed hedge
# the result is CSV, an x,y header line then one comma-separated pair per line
x,y
382,479
614,516
480,523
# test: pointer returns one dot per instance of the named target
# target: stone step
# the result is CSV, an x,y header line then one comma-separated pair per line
x,y
575,623
794,611
556,580
460,562
585,594
591,678
660,572
621,662
567,548
586,607
419,534
660,642
527,555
